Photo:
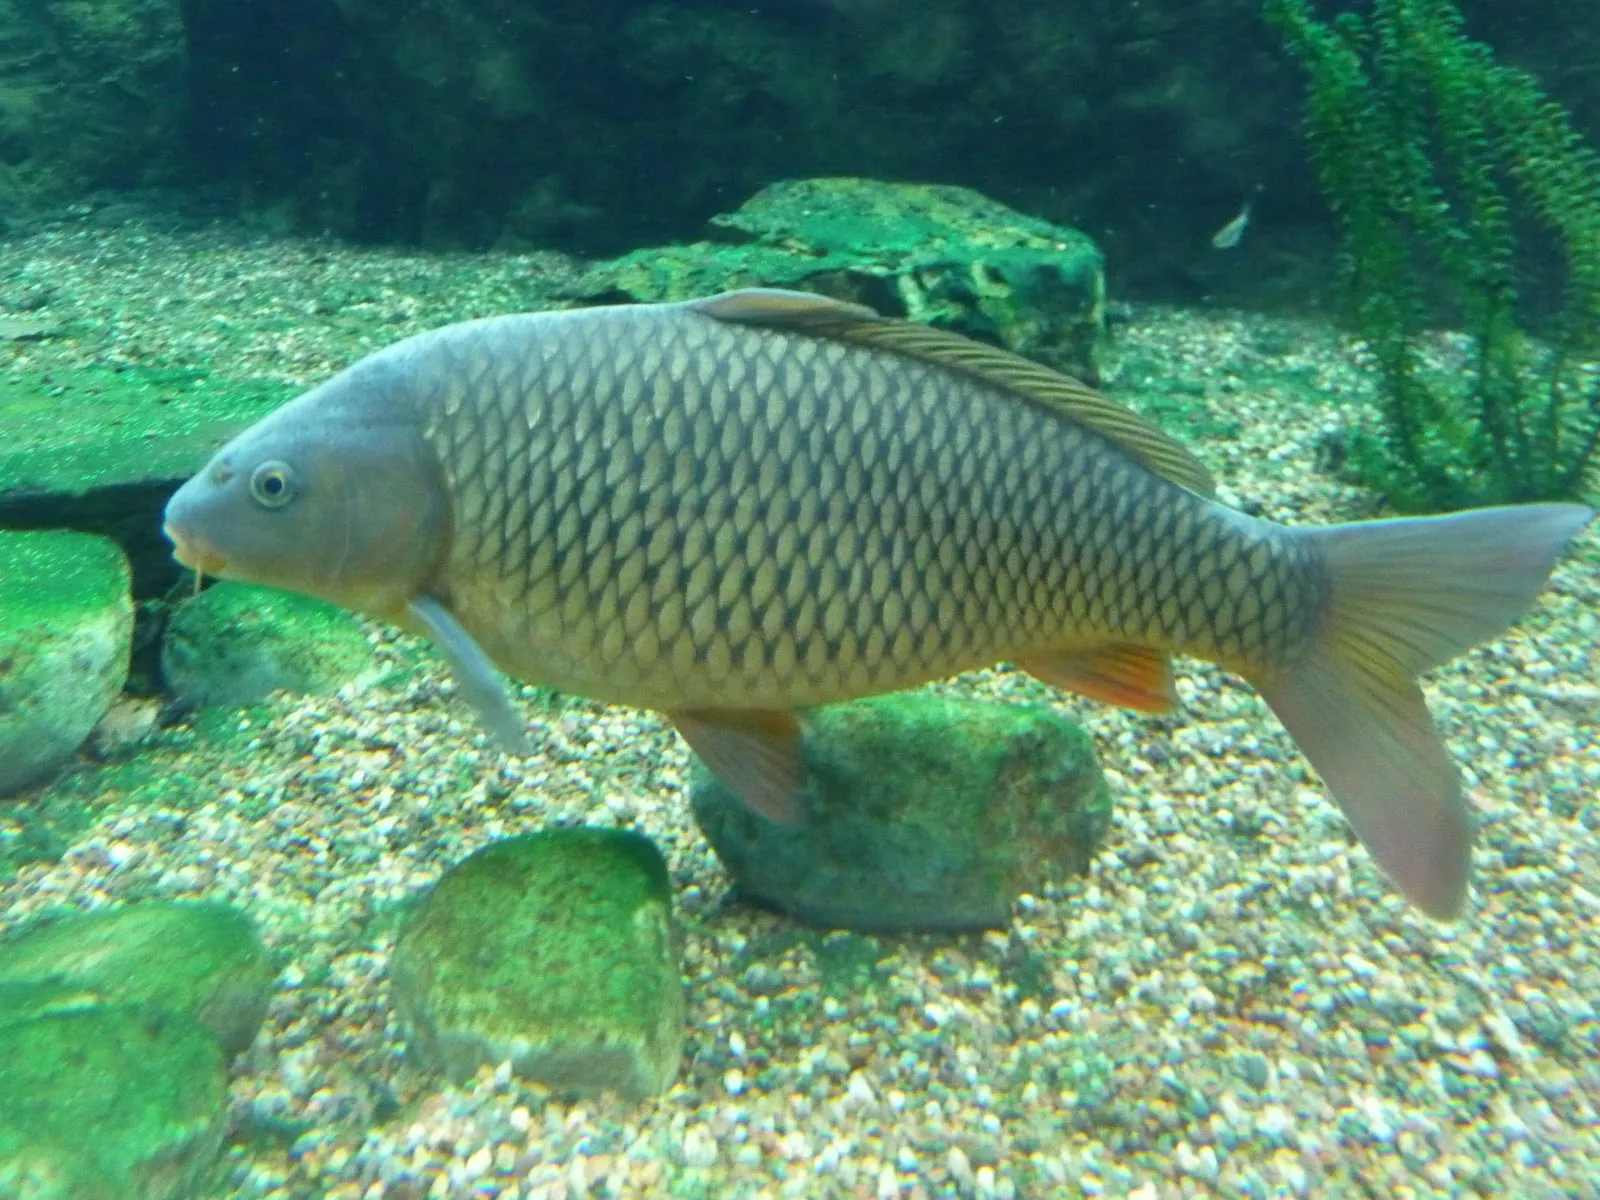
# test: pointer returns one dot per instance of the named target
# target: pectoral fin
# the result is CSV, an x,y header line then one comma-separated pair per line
x,y
481,685
755,753
1117,673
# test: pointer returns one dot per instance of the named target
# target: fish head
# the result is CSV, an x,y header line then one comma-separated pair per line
x,y
335,495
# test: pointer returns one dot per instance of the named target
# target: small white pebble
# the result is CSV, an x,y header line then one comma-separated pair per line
x,y
1274,1121
859,1093
699,1147
959,1166
1358,966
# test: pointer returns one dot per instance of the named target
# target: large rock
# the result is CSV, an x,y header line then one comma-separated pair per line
x,y
921,811
99,450
555,951
102,1100
942,255
91,95
235,644
202,961
66,629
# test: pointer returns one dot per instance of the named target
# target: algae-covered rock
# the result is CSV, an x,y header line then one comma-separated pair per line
x,y
66,630
203,961
942,255
555,951
235,644
921,812
102,1100
100,450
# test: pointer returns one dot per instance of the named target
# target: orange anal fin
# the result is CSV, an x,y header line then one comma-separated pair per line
x,y
1117,673
756,753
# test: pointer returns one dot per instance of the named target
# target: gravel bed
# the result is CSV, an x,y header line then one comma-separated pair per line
x,y
1231,1003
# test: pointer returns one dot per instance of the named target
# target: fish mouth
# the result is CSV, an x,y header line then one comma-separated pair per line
x,y
193,553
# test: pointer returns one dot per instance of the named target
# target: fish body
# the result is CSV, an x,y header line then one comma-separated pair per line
x,y
734,509
709,515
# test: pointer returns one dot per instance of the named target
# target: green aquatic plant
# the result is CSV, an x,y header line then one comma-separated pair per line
x,y
1433,156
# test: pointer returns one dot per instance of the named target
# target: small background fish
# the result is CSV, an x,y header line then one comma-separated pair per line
x,y
1233,232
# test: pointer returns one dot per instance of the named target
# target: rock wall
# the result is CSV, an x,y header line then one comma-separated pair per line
x,y
600,125
603,124
91,95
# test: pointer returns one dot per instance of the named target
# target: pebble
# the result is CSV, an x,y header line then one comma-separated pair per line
x,y
960,1167
699,1147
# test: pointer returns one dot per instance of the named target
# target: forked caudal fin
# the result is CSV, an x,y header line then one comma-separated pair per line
x,y
1406,596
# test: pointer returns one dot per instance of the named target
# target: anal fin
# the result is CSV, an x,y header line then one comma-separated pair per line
x,y
1118,673
756,753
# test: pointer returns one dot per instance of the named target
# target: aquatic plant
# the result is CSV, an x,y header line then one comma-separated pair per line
x,y
1431,154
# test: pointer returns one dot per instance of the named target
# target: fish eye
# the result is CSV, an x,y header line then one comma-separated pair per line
x,y
272,484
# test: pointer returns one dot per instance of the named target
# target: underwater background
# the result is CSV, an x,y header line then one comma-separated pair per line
x,y
278,918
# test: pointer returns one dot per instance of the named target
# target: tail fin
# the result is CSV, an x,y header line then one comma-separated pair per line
x,y
1406,596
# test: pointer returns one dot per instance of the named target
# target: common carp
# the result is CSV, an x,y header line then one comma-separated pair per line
x,y
737,508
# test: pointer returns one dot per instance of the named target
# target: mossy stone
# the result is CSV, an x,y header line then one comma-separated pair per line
x,y
66,630
235,643
555,951
199,959
104,1101
942,255
100,450
922,811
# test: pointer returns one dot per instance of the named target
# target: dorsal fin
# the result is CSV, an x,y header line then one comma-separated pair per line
x,y
819,316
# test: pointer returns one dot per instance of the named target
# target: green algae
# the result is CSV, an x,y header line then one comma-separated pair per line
x,y
925,811
99,450
104,1101
202,960
874,218
49,575
71,432
937,254
234,644
66,627
555,950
